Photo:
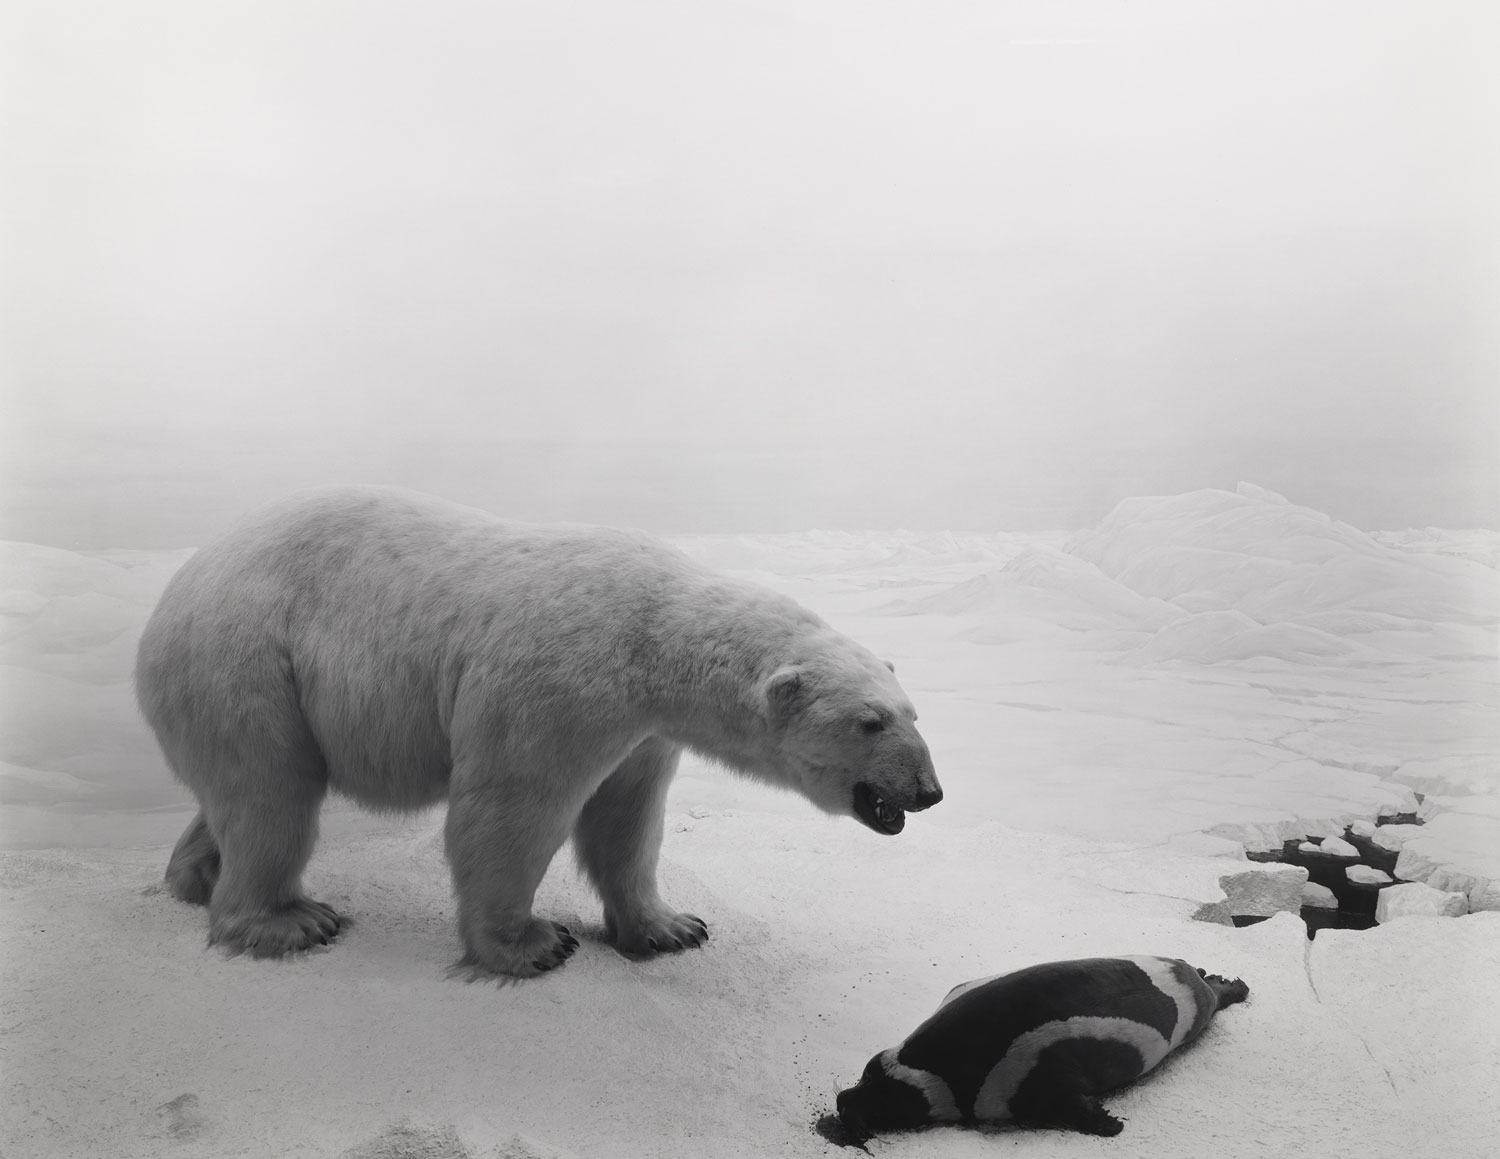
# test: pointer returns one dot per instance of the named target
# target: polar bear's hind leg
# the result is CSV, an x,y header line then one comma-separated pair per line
x,y
265,828
194,867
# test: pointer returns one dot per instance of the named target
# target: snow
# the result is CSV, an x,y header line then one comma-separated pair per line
x,y
1319,896
1116,715
1259,892
1391,838
1413,898
1456,848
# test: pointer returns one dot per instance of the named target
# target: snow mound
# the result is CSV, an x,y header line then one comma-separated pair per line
x,y
72,736
1414,899
1457,849
1050,570
1480,545
1045,580
33,567
1306,581
1277,559
1219,637
980,594
821,551
1458,774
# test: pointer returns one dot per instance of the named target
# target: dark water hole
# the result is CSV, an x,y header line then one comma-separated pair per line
x,y
1356,903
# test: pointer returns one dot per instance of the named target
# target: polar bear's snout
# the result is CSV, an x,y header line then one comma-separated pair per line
x,y
876,812
927,798
882,802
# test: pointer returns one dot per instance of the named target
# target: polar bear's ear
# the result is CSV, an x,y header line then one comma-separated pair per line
x,y
784,691
889,665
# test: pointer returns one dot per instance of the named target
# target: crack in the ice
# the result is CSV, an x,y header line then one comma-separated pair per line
x,y
1385,1069
1315,695
1114,849
1138,892
1307,969
1381,771
1307,951
1309,725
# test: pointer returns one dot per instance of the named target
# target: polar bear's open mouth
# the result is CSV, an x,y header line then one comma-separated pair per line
x,y
876,812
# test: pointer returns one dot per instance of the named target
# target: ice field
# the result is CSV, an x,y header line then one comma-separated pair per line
x,y
1116,715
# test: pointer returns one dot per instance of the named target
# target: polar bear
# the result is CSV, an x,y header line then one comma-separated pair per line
x,y
402,650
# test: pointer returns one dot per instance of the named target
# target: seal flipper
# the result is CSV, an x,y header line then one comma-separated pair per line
x,y
1074,1112
1228,992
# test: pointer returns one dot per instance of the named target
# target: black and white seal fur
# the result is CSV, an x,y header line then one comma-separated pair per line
x,y
1037,1047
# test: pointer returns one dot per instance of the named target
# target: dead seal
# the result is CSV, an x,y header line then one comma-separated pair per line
x,y
1037,1047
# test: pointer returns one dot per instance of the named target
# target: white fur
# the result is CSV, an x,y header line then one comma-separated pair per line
x,y
542,679
1001,1084
939,1096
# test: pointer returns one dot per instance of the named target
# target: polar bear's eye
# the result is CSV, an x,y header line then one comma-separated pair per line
x,y
872,724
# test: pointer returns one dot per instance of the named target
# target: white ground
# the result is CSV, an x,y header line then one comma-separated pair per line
x,y
1096,704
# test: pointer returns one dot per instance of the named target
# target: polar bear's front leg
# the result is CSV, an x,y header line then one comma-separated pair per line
x,y
499,844
617,840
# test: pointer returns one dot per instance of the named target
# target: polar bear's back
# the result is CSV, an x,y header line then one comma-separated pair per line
x,y
386,530
400,552
371,607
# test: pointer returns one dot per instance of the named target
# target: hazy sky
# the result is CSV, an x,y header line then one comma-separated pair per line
x,y
1020,249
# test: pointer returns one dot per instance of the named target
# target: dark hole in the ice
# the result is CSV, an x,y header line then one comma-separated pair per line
x,y
1356,902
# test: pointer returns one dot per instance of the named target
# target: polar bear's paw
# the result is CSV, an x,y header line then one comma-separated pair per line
x,y
543,945
299,926
659,931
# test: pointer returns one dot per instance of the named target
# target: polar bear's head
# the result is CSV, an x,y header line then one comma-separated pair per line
x,y
845,734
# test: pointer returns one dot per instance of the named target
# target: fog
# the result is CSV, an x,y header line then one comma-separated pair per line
x,y
757,265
